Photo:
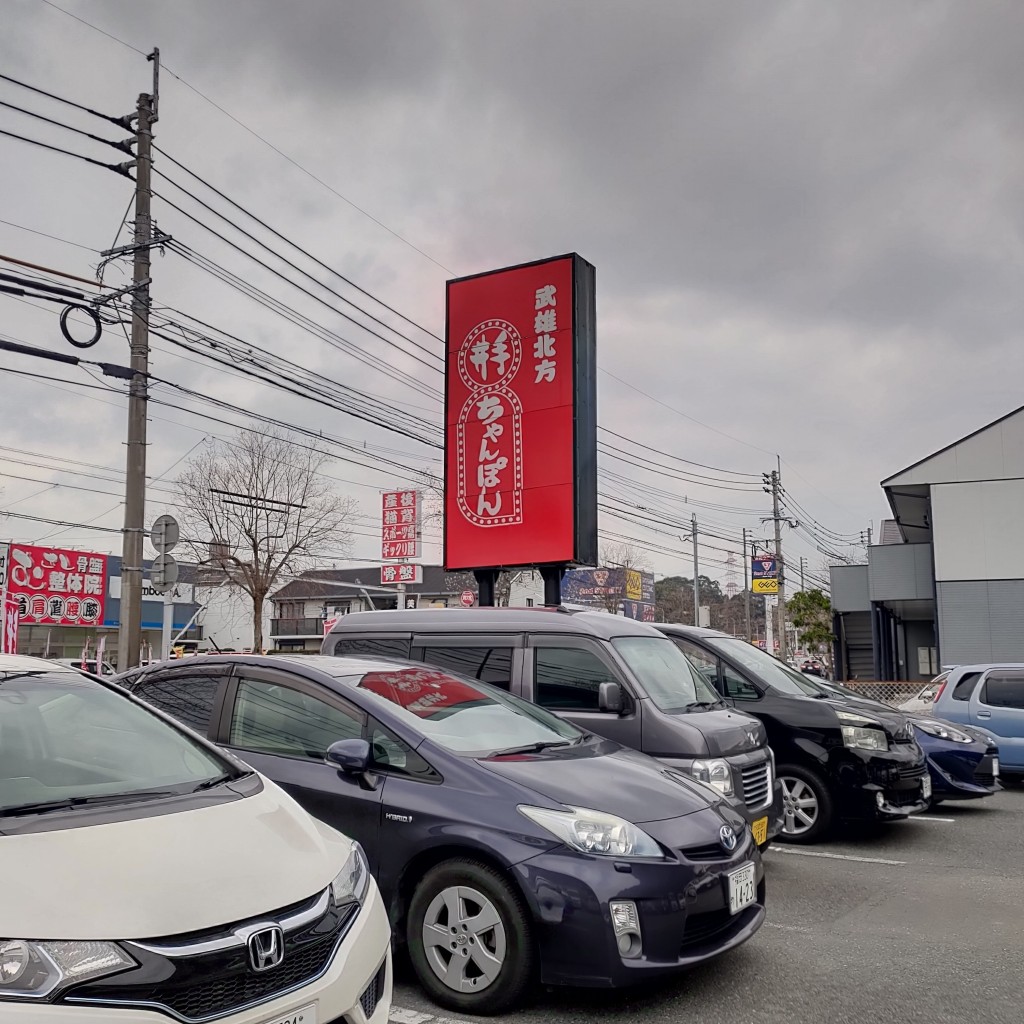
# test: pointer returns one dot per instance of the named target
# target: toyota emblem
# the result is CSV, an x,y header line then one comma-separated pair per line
x,y
728,837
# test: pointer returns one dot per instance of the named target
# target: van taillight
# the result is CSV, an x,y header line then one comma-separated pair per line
x,y
938,692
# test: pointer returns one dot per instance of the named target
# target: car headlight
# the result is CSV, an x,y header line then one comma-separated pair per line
x,y
39,970
716,774
352,880
594,831
861,732
942,731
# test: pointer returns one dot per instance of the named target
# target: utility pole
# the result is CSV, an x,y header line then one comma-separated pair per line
x,y
129,640
696,581
774,487
746,582
803,563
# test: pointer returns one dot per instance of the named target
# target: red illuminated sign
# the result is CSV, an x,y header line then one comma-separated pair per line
x,y
400,525
520,417
54,586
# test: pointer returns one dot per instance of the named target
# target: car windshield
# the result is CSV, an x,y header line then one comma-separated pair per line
x,y
665,674
763,667
463,715
67,740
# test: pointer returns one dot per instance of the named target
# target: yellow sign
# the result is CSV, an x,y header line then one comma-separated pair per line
x,y
634,585
764,586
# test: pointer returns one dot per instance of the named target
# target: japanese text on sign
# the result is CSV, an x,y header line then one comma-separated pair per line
x,y
400,524
57,586
404,572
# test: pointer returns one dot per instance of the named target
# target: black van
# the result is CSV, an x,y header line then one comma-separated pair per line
x,y
607,674
833,762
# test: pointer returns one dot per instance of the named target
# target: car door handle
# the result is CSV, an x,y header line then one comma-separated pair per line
x,y
984,714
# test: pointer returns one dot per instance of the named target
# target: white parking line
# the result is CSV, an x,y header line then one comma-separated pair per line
x,y
838,856
941,821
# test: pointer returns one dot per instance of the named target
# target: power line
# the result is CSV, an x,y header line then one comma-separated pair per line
x,y
677,458
122,147
121,122
67,152
43,234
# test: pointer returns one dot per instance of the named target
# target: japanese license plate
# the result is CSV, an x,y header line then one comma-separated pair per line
x,y
926,788
303,1015
760,830
742,891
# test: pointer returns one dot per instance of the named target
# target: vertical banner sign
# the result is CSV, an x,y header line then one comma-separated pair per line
x,y
9,626
521,417
57,587
764,574
400,536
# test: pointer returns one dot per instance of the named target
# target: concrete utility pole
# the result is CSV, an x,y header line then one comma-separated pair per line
x,y
696,581
746,582
129,640
780,564
803,565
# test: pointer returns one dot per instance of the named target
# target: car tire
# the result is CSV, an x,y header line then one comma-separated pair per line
x,y
804,795
1012,781
493,960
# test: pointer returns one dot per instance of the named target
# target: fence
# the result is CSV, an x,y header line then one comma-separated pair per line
x,y
889,693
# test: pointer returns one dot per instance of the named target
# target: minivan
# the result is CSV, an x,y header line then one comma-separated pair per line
x,y
605,673
149,876
833,762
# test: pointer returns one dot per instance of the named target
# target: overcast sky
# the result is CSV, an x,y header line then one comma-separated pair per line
x,y
806,220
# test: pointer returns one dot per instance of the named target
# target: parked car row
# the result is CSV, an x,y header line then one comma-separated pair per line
x,y
513,796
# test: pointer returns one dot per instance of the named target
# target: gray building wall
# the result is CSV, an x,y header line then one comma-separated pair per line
x,y
849,586
981,621
901,572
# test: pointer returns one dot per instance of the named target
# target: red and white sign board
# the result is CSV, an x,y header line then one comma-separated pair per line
x,y
329,625
403,572
9,631
400,525
55,586
468,599
520,417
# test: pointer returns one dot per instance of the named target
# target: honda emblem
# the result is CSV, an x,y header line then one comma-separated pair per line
x,y
266,948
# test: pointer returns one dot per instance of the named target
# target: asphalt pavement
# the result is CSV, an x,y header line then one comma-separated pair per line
x,y
921,921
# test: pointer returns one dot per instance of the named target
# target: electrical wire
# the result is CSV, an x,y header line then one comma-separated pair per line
x,y
43,234
121,147
119,121
67,152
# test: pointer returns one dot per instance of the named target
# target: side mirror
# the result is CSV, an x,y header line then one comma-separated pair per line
x,y
610,698
349,756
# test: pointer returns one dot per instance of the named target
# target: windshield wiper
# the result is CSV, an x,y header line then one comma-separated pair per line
x,y
219,780
704,704
72,802
534,748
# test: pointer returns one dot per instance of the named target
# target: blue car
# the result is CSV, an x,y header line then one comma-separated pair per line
x,y
963,762
990,698
510,846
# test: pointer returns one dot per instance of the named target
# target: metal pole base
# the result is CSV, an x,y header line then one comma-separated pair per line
x,y
552,577
486,582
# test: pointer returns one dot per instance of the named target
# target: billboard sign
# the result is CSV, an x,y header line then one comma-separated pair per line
x,y
630,591
520,417
400,525
764,567
403,572
764,585
57,587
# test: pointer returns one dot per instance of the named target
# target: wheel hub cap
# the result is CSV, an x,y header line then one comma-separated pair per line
x,y
464,939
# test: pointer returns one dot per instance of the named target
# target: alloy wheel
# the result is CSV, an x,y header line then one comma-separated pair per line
x,y
799,806
464,939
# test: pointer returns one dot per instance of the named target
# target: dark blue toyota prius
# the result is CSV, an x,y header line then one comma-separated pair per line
x,y
510,846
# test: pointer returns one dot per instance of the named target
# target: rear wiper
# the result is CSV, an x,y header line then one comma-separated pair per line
x,y
533,748
72,802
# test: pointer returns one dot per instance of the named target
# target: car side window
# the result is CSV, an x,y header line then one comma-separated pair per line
x,y
965,687
568,678
372,646
706,664
488,664
396,757
188,698
273,718
1004,692
737,687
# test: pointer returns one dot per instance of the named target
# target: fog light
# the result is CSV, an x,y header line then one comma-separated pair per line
x,y
880,799
626,925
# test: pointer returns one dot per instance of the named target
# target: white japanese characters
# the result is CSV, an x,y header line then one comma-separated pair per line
x,y
400,535
545,323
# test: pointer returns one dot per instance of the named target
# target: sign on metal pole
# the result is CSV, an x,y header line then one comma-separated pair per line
x,y
468,599
764,567
520,417
164,573
764,585
403,572
164,534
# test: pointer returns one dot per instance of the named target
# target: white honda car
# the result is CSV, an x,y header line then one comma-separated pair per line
x,y
147,877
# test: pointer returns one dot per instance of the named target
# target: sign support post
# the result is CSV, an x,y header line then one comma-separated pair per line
x,y
168,625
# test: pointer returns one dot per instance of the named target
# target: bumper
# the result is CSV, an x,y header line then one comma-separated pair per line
x,y
963,775
682,908
335,995
879,787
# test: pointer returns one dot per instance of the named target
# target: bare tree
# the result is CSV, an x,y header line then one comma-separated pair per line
x,y
257,509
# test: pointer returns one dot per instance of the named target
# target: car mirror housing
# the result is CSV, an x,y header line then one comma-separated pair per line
x,y
352,757
610,698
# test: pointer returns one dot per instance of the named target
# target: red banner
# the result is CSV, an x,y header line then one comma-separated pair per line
x,y
57,587
9,627
519,417
424,692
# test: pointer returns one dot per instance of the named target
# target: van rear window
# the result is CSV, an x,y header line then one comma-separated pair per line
x,y
372,646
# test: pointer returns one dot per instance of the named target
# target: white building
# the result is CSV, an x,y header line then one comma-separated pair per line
x,y
946,585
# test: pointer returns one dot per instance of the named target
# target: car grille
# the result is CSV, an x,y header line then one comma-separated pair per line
x,y
371,997
211,984
702,928
903,797
912,771
709,851
757,784
983,774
